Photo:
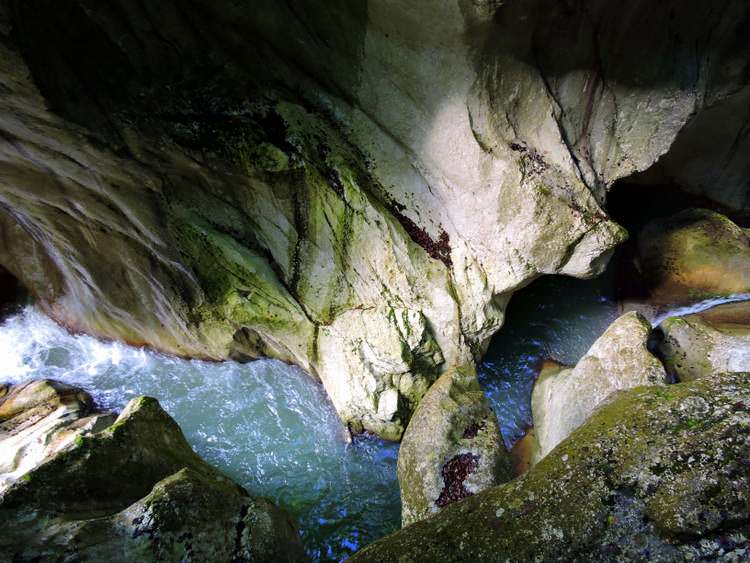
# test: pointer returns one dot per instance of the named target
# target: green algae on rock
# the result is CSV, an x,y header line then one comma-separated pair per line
x,y
133,490
220,193
563,398
665,465
451,449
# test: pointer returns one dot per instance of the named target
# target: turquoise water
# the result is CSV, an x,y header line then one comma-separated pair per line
x,y
267,425
553,318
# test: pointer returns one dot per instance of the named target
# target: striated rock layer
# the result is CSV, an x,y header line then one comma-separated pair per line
x,y
353,186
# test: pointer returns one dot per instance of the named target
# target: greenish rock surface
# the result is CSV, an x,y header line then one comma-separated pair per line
x,y
563,399
129,489
713,341
452,448
658,474
693,255
357,187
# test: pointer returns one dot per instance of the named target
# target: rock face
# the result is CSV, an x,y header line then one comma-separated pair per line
x,y
452,448
696,254
563,399
129,489
354,186
658,474
714,341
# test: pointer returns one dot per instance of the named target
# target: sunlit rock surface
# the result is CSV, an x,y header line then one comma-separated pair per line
x,y
353,186
452,448
563,399
658,474
716,340
87,486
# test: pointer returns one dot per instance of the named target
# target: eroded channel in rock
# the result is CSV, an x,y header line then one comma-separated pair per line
x,y
265,424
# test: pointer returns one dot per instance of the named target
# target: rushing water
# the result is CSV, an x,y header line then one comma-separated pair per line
x,y
555,317
265,424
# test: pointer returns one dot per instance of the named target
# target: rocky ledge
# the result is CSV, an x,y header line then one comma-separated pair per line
x,y
81,485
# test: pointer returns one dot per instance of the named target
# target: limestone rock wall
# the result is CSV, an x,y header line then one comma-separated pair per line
x,y
353,186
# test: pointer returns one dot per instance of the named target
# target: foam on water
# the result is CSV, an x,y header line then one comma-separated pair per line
x,y
267,425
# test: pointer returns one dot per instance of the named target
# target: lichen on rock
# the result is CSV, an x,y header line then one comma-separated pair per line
x,y
658,473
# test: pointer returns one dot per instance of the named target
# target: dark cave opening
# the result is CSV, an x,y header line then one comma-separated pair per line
x,y
13,295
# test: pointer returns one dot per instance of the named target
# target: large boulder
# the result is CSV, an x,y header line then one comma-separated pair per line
x,y
564,398
658,474
292,179
131,491
715,340
451,449
693,255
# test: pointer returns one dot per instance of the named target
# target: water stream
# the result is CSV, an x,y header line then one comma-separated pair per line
x,y
267,425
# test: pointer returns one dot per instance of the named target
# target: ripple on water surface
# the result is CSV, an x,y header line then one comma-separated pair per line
x,y
554,318
266,424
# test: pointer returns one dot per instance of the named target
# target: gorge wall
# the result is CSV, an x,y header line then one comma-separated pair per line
x,y
357,187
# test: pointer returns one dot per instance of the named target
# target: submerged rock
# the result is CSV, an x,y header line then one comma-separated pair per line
x,y
714,341
451,449
657,474
129,489
563,398
291,180
693,255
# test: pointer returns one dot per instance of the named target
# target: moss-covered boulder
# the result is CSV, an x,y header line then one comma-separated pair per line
x,y
658,474
451,449
132,491
693,255
563,399
713,341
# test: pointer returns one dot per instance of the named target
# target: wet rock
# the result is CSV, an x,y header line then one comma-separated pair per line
x,y
177,177
702,344
451,449
40,418
693,255
123,490
563,398
658,474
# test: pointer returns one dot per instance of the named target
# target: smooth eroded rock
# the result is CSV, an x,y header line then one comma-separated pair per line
x,y
693,255
716,340
451,449
123,490
563,399
658,474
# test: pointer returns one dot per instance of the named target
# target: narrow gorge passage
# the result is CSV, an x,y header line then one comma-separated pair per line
x,y
265,424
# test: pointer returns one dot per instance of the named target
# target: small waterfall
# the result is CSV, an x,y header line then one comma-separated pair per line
x,y
700,307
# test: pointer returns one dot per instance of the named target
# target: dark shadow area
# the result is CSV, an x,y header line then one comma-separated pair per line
x,y
13,295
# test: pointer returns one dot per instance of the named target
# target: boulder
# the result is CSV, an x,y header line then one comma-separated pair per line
x,y
694,255
451,449
124,489
657,474
563,398
714,341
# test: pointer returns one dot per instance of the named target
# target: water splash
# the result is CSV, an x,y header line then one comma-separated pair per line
x,y
267,425
700,307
